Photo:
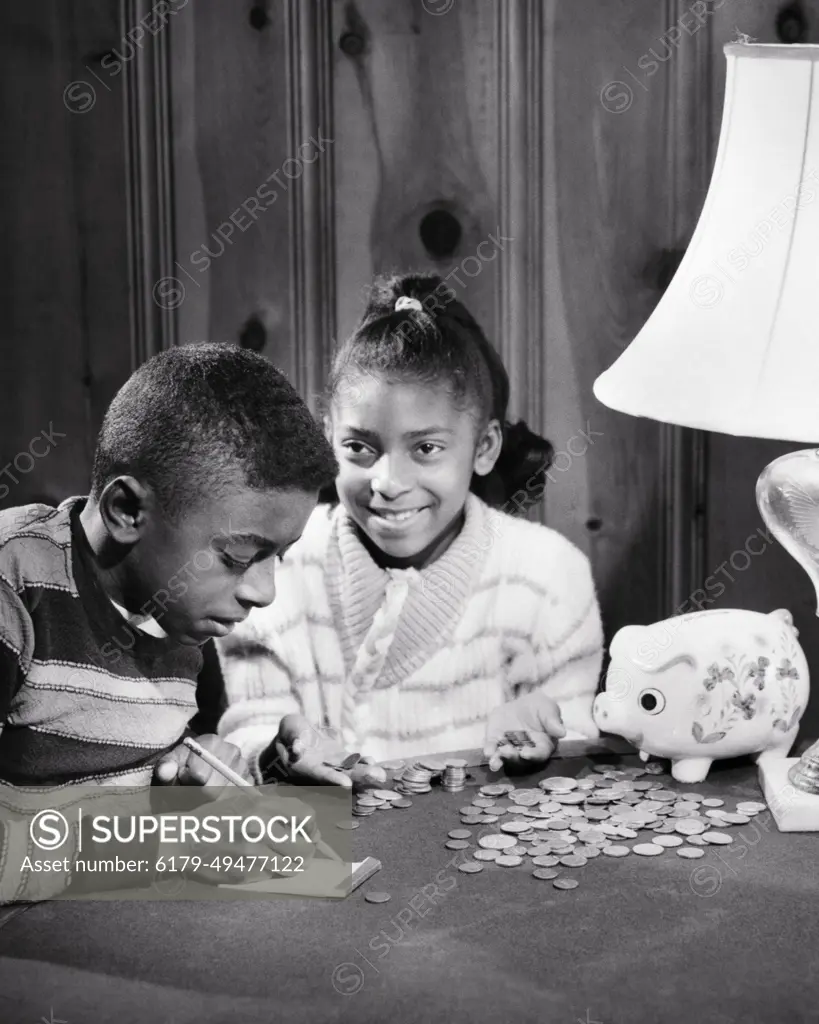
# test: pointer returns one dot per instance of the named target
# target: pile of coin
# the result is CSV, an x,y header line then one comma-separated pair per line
x,y
374,799
454,777
565,822
417,777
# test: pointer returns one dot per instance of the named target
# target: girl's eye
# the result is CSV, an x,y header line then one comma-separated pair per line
x,y
357,448
428,448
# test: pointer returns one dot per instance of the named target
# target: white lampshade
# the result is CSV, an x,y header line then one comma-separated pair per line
x,y
733,345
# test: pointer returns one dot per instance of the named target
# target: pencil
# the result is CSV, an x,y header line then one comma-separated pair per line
x,y
237,780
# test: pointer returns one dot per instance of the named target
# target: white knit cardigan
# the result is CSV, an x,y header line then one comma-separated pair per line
x,y
404,662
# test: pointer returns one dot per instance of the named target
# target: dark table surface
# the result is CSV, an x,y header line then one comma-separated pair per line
x,y
728,938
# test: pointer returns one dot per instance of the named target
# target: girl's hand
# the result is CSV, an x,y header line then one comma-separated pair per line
x,y
536,714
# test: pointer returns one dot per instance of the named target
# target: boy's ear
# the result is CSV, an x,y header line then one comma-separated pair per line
x,y
125,507
488,449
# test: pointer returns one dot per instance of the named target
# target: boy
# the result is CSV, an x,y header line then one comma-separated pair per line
x,y
207,467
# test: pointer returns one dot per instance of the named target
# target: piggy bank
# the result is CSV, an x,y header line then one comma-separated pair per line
x,y
704,686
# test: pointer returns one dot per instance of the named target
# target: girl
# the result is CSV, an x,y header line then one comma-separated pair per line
x,y
412,617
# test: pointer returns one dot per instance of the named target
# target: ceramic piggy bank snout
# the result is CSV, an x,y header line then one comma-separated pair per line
x,y
704,686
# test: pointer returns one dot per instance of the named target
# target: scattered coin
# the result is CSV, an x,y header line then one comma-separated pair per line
x,y
653,768
470,867
495,841
377,897
736,819
392,766
460,833
695,840
713,801
689,827
647,849
508,861
750,807
717,838
565,883
348,826
616,851
548,861
486,854
573,860
457,844
667,841
690,852
545,873
591,851
515,826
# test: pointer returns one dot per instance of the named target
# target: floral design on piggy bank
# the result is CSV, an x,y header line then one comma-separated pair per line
x,y
704,686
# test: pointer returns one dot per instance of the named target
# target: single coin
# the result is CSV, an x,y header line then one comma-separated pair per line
x,y
565,883
545,861
642,786
457,844
487,819
377,897
694,798
690,853
385,794
717,838
483,801
695,840
348,826
560,824
573,860
736,819
370,801
689,827
558,783
653,768
392,766
569,799
750,807
665,796
460,833
666,829
486,854
468,810
713,801
601,769
545,873
470,867
597,813
495,841
508,861
516,851
716,815
515,826
647,849
590,852
455,762
616,851
667,841
492,790
549,806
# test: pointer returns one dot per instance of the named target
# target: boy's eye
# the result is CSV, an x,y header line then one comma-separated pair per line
x,y
235,563
429,448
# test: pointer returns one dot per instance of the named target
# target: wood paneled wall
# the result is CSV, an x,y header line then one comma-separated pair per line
x,y
255,163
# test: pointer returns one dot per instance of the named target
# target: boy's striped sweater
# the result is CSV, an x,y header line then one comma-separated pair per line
x,y
84,696
404,662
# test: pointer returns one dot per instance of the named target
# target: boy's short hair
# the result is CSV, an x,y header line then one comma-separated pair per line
x,y
199,419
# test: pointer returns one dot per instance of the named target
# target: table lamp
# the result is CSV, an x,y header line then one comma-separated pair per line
x,y
733,345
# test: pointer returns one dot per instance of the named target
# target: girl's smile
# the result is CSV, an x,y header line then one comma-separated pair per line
x,y
407,453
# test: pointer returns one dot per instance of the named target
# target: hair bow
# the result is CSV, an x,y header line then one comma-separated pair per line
x,y
406,302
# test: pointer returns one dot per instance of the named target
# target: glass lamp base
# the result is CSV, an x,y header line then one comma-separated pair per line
x,y
787,494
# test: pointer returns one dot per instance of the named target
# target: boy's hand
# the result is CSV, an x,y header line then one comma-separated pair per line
x,y
299,752
182,767
536,714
